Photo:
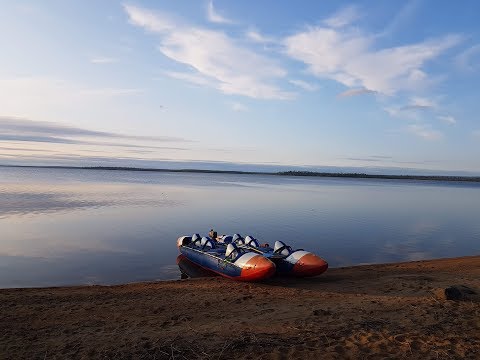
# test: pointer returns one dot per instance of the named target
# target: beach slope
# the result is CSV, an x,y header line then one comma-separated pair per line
x,y
372,311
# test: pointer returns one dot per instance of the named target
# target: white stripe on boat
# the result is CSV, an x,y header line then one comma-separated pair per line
x,y
296,255
244,259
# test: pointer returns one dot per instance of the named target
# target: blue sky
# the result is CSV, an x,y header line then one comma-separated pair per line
x,y
324,83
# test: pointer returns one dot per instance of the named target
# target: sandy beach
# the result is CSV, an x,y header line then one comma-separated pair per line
x,y
372,311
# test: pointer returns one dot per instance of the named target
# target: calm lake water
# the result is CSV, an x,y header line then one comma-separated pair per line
x,y
67,227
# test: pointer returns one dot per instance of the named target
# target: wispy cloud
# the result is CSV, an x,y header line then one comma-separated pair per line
x,y
393,112
38,138
239,107
414,109
384,157
153,21
424,131
469,59
69,141
9,148
193,78
355,92
353,59
418,103
343,17
402,17
448,119
387,159
221,61
103,60
255,36
304,85
13,126
364,159
215,17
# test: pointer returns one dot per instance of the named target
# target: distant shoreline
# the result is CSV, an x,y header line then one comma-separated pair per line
x,y
279,173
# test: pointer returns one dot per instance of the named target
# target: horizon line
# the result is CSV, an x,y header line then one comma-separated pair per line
x,y
300,173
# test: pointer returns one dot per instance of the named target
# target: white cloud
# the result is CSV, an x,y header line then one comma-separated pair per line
x,y
393,112
342,18
424,131
196,79
215,17
423,102
414,109
255,36
239,107
469,59
349,56
420,103
448,119
218,60
150,20
404,113
304,85
355,92
103,60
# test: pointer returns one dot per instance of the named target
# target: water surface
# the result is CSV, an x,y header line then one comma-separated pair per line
x,y
72,226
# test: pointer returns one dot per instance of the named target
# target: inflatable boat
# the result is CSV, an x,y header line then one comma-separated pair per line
x,y
227,260
288,261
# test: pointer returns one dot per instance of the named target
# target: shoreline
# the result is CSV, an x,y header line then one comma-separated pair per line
x,y
435,178
383,310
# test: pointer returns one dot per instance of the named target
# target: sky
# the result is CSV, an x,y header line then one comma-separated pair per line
x,y
279,84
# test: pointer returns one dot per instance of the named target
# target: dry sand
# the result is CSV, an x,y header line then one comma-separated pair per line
x,y
374,311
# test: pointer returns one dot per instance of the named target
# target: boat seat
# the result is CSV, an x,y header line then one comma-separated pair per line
x,y
281,248
235,237
209,244
239,240
197,242
195,237
227,239
251,241
233,252
205,243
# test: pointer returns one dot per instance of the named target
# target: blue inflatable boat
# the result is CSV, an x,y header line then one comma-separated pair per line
x,y
228,260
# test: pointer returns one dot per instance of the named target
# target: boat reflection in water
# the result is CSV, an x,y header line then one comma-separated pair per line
x,y
189,269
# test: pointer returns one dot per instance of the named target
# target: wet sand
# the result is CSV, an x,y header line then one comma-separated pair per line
x,y
371,311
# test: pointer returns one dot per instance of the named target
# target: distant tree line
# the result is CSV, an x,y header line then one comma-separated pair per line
x,y
378,176
281,173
